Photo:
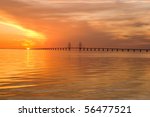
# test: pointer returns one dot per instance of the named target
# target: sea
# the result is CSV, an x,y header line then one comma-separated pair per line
x,y
74,75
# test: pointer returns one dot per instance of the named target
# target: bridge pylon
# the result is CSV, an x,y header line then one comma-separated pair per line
x,y
69,46
80,46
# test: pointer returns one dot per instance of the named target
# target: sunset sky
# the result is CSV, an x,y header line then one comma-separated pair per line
x,y
53,23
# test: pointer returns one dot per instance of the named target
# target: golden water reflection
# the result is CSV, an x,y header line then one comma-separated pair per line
x,y
39,74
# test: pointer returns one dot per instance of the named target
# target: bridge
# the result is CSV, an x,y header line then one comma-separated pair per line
x,y
81,48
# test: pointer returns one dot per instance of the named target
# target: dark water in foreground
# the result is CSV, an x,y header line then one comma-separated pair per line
x,y
39,74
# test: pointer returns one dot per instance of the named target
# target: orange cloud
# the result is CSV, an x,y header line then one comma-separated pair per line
x,y
27,37
101,23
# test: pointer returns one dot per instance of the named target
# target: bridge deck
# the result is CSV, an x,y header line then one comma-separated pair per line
x,y
96,49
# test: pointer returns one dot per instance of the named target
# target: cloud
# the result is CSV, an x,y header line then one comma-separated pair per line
x,y
95,22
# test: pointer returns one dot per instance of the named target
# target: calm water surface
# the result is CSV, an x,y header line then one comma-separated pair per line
x,y
42,74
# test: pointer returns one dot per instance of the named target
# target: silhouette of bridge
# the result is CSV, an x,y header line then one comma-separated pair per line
x,y
81,48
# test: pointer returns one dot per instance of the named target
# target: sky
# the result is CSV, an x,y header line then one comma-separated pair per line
x,y
54,23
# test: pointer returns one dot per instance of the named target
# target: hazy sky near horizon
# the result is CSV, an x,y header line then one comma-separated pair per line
x,y
96,23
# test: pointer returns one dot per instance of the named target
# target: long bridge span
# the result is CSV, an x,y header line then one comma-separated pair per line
x,y
95,49
81,48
